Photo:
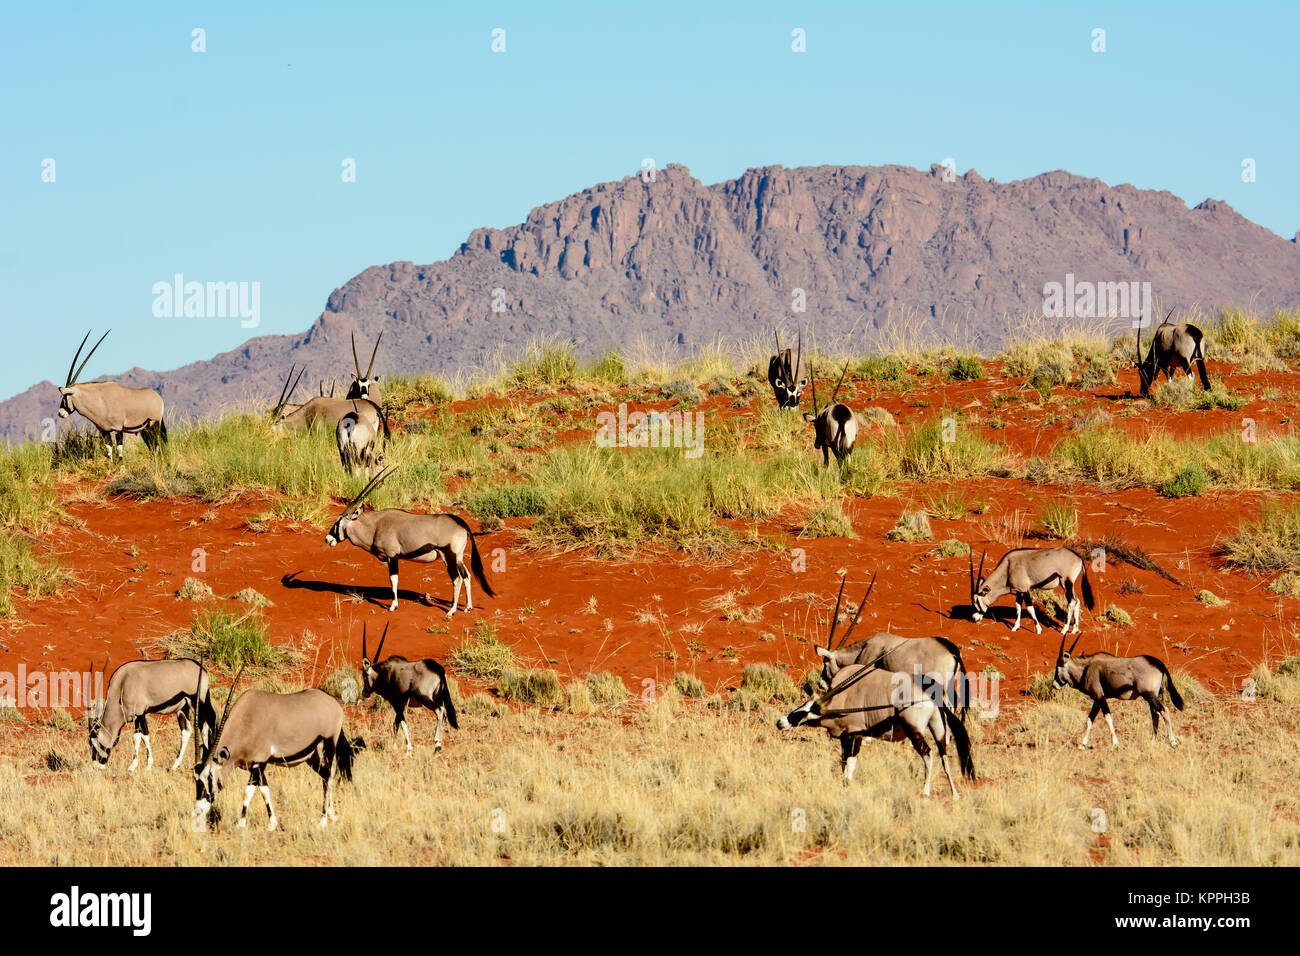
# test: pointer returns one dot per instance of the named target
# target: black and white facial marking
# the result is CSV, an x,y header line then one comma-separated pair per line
x,y
66,407
981,600
808,713
788,393
100,748
340,530
360,387
208,782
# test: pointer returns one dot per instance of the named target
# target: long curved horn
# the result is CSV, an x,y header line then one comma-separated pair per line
x,y
364,656
380,649
1072,646
194,713
374,353
216,738
1171,312
830,641
91,666
73,376
839,383
970,563
812,380
798,362
370,486
857,617
356,362
980,576
1060,655
287,392
68,383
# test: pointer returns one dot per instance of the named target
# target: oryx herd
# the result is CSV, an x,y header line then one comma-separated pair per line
x,y
883,687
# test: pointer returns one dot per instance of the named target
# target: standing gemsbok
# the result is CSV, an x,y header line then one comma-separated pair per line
x,y
868,701
356,435
1103,676
364,386
934,663
786,377
1023,569
1173,346
401,682
394,535
261,729
139,688
835,427
112,408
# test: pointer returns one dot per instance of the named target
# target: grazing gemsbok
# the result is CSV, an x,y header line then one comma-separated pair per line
x,y
1103,675
138,688
305,415
401,682
835,427
393,535
364,386
866,701
787,380
931,661
286,393
261,729
1173,346
112,408
356,435
1024,569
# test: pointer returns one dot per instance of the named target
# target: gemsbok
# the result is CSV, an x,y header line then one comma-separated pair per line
x,y
357,434
867,701
835,427
933,662
262,729
365,386
112,408
402,682
1103,676
1174,345
319,409
1023,569
786,378
394,535
140,688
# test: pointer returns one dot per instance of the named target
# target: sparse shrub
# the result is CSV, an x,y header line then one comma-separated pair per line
x,y
480,705
606,688
534,686
508,501
343,684
875,415
966,369
951,548
254,598
827,520
609,369
1210,599
688,685
882,368
1191,480
60,719
1117,615
1043,687
1270,544
1286,584
1060,519
912,526
1047,376
482,655
577,698
194,590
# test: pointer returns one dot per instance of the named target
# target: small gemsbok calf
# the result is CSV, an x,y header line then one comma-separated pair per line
x,y
401,682
393,535
835,427
1023,569
138,688
865,701
1103,676
260,729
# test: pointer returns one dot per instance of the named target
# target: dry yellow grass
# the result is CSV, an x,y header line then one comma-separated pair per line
x,y
677,783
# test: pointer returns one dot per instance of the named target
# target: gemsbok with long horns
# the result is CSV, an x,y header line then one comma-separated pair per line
x,y
394,535
319,409
1103,676
933,662
112,408
356,435
140,688
1023,569
365,386
262,729
402,682
786,377
1173,346
868,701
835,427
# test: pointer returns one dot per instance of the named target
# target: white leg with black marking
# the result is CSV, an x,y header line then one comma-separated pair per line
x,y
1083,744
948,773
1033,614
929,772
185,739
407,734
270,811
393,579
1016,627
135,754
243,811
437,729
1110,722
469,597
455,595
850,765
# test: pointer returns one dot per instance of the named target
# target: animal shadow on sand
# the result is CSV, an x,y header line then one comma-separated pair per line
x,y
380,594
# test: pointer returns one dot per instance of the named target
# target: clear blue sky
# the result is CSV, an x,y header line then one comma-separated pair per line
x,y
225,165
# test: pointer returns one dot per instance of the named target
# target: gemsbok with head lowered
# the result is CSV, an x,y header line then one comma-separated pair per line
x,y
112,408
262,729
786,377
1103,676
1024,569
319,409
835,427
867,701
394,535
1174,346
933,662
402,682
140,688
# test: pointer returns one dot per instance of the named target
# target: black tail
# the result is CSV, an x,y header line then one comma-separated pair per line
x,y
958,695
476,565
154,435
345,754
446,702
1176,697
207,717
1205,378
962,739
1087,588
